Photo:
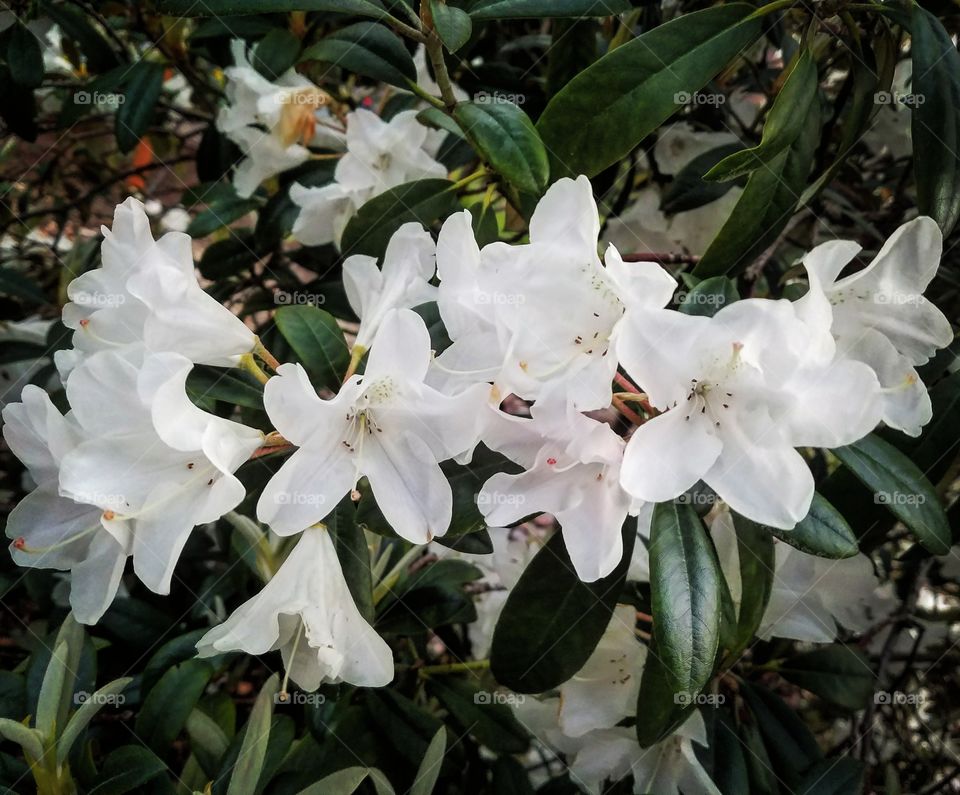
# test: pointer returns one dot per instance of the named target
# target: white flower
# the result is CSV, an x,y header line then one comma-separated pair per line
x,y
54,532
145,298
380,155
739,392
540,317
154,463
402,283
273,123
306,611
879,315
386,425
811,596
572,471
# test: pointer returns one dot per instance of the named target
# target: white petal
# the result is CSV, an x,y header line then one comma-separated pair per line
x,y
566,217
401,347
639,284
94,581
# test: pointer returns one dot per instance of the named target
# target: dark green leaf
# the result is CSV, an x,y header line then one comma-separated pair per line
x,y
14,283
228,257
166,709
837,673
898,484
222,210
141,91
506,138
604,112
225,8
688,190
935,119
757,566
552,621
409,726
128,769
765,207
95,48
708,297
353,554
533,9
453,24
685,588
249,768
231,386
492,724
367,49
823,531
785,121
318,342
24,56
659,709
833,777
370,229
275,53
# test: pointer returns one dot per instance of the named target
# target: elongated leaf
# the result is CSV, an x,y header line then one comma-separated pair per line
x,y
531,9
833,777
429,770
343,782
552,621
688,190
166,709
318,342
30,740
823,531
708,297
506,138
354,555
685,589
493,724
57,689
785,121
604,112
935,123
141,92
226,8
275,53
24,56
898,484
764,208
757,566
14,283
838,673
367,49
659,709
127,769
370,229
230,386
207,741
88,710
453,24
253,752
100,57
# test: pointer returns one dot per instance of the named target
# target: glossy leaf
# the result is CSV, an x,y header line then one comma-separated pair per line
x,y
256,737
757,566
534,9
453,24
823,532
493,724
368,49
166,709
226,8
24,56
318,342
837,673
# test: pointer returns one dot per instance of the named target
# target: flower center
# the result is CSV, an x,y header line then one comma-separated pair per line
x,y
298,119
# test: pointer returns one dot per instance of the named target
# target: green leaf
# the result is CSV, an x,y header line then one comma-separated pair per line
x,y
688,190
506,138
228,257
708,297
253,752
833,777
354,555
763,781
141,91
898,484
493,725
368,49
729,771
231,386
685,591
604,112
318,342
552,621
14,283
30,740
56,689
533,9
208,742
429,770
222,210
275,53
343,782
24,56
168,705
837,673
757,567
425,200
823,532
659,709
75,27
127,769
764,208
453,24
226,8
88,710
935,122
785,121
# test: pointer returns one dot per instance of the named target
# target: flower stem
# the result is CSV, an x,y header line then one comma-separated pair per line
x,y
248,363
426,95
630,414
462,183
356,355
455,668
393,576
268,358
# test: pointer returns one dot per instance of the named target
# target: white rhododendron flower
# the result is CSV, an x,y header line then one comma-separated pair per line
x,y
811,597
54,532
273,123
738,392
572,467
380,155
145,298
155,464
386,425
879,315
306,611
541,317
402,283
